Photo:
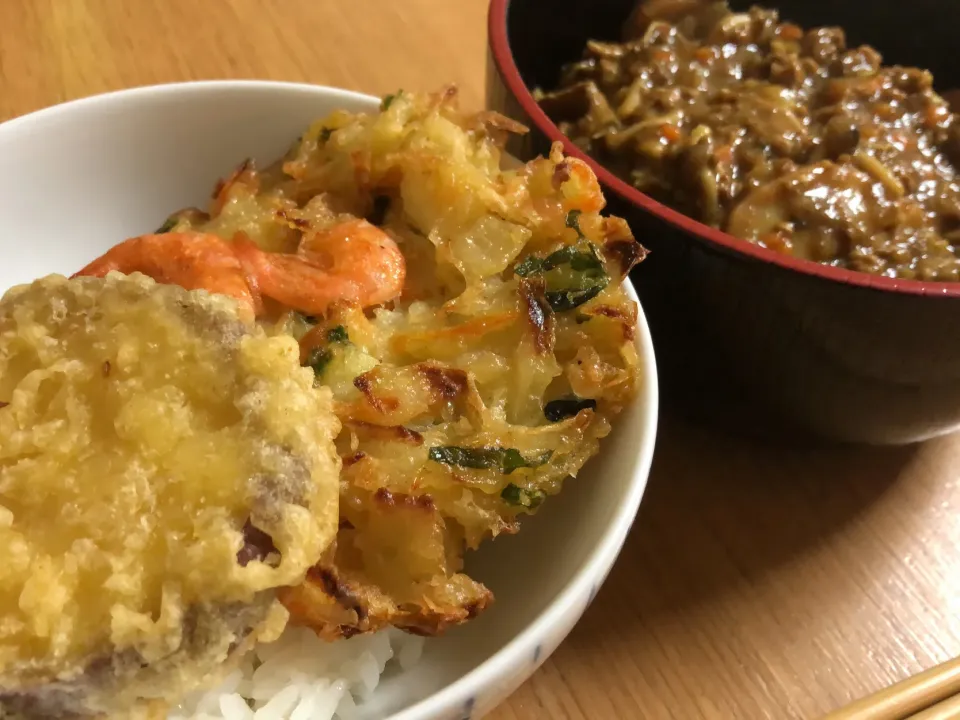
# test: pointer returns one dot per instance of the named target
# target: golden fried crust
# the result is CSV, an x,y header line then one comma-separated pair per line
x,y
164,468
337,605
468,402
345,594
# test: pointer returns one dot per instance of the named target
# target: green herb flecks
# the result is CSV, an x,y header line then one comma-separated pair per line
x,y
589,262
318,359
388,100
585,260
169,224
534,265
506,460
325,134
563,408
522,497
563,300
573,221
338,334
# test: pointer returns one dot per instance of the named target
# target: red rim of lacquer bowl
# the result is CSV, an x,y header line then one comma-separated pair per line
x,y
503,57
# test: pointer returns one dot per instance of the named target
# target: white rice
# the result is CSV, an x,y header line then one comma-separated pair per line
x,y
300,677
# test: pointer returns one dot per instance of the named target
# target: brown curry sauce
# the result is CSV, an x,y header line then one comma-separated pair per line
x,y
783,137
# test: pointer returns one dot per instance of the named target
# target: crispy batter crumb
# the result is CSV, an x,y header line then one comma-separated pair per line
x,y
126,484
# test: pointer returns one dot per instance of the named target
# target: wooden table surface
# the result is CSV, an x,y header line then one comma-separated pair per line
x,y
758,582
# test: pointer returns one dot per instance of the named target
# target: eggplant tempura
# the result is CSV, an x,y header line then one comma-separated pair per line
x,y
164,468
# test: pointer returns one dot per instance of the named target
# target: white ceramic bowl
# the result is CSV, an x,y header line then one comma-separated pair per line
x,y
80,177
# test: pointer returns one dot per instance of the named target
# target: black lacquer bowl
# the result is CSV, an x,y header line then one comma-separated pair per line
x,y
745,336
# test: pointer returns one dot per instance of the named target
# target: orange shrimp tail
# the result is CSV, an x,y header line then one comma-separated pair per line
x,y
353,261
108,262
367,255
194,261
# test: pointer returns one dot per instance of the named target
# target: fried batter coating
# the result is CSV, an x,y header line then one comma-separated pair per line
x,y
164,468
466,403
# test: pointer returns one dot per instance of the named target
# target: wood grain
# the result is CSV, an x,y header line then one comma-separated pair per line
x,y
759,581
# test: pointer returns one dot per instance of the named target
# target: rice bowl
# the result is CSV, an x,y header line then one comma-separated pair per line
x,y
300,676
464,672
